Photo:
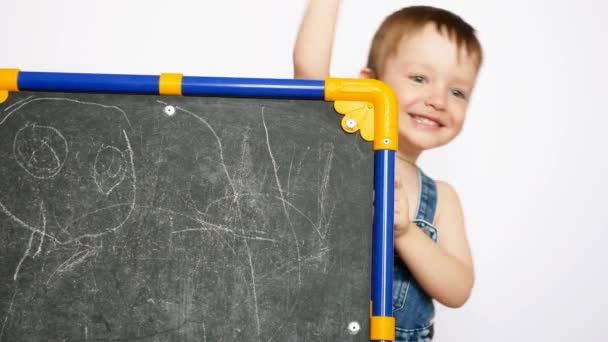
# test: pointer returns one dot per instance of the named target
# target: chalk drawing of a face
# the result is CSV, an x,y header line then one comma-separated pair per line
x,y
65,165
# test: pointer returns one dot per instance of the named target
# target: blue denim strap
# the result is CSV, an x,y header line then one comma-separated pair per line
x,y
427,200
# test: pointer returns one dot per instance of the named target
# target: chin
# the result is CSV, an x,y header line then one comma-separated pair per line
x,y
423,142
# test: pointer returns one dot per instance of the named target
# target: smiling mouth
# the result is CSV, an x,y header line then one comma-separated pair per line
x,y
424,120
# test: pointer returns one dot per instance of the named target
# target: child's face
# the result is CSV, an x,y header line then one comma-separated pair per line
x,y
433,81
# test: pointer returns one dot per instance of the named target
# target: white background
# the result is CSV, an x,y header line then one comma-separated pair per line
x,y
530,164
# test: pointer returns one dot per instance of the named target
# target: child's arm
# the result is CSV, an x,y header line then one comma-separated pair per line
x,y
444,270
314,43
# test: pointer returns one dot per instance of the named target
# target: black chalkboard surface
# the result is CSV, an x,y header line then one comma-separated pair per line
x,y
149,218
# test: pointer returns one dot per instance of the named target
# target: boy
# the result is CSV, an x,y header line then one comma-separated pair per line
x,y
430,58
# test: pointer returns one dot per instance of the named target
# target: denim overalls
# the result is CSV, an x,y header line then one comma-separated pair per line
x,y
412,307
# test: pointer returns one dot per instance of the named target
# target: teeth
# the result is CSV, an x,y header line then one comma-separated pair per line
x,y
425,121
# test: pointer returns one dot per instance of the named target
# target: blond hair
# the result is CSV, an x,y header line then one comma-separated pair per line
x,y
412,19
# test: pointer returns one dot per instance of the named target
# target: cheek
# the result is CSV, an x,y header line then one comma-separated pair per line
x,y
458,119
407,100
406,94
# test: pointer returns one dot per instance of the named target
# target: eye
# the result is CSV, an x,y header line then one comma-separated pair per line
x,y
458,93
418,79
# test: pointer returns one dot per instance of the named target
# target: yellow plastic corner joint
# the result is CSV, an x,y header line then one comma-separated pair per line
x,y
8,82
369,106
358,116
170,84
382,328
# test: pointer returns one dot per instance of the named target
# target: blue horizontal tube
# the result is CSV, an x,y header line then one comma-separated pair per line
x,y
191,86
382,240
74,82
254,87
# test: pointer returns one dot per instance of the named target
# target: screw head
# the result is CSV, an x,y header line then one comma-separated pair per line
x,y
351,123
386,141
169,110
354,328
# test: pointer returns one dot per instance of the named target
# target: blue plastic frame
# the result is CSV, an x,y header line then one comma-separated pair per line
x,y
384,168
192,86
382,240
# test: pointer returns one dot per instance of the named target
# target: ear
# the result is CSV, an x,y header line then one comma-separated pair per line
x,y
367,73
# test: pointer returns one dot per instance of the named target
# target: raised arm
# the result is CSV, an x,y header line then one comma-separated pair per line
x,y
314,42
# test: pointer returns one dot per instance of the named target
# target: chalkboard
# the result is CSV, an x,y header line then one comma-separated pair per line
x,y
150,218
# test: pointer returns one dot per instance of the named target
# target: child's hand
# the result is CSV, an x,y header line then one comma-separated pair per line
x,y
402,210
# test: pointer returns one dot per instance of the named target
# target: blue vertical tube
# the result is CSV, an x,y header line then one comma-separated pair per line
x,y
382,240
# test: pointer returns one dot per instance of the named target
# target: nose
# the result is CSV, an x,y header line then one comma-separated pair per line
x,y
436,98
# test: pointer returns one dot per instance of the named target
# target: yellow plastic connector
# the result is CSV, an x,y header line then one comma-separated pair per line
x,y
360,100
358,116
382,328
170,84
8,82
